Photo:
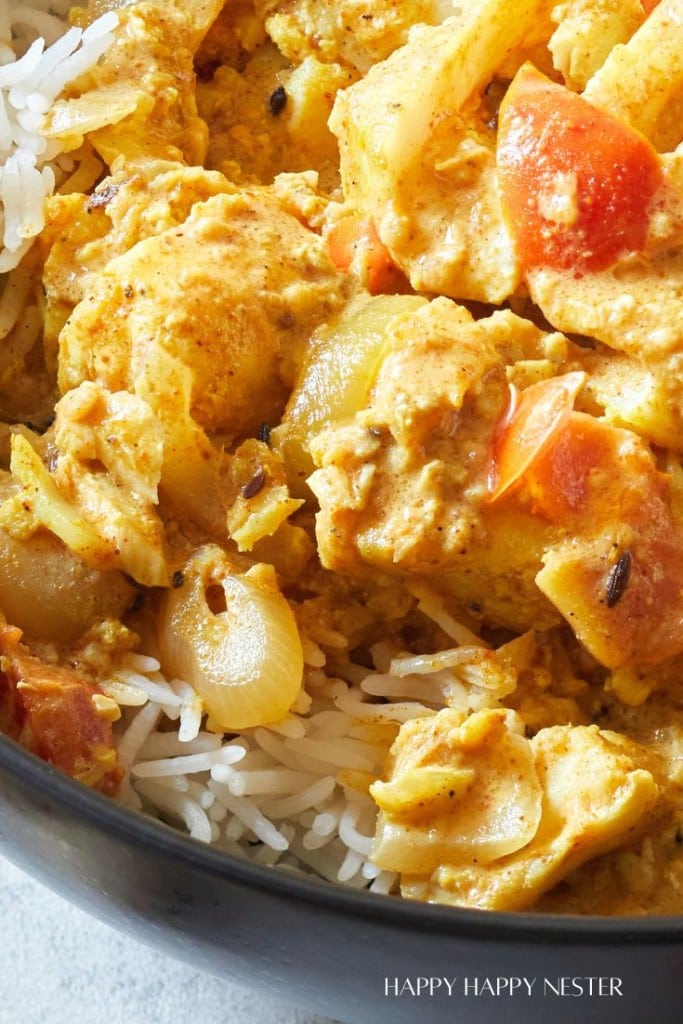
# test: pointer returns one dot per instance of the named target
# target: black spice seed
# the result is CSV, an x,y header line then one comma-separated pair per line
x,y
278,101
264,433
617,579
253,486
177,579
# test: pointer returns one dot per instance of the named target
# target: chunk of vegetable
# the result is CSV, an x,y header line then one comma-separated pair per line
x,y
354,244
575,182
338,376
534,420
58,714
233,637
458,792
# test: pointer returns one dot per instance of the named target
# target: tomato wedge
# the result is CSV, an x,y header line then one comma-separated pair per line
x,y
576,184
357,234
534,420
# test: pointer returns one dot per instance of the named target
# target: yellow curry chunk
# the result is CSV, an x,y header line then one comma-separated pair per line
x,y
512,816
230,293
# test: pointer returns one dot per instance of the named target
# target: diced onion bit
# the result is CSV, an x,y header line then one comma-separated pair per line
x,y
234,638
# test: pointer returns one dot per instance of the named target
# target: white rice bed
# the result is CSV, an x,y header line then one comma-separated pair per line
x,y
271,794
282,794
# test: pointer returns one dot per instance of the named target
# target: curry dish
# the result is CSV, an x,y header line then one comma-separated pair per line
x,y
345,378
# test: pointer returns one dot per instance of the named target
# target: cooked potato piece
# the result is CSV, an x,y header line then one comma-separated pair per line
x,y
642,80
416,156
587,32
457,791
252,138
143,198
402,486
50,593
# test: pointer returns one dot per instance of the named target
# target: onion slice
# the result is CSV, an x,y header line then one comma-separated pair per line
x,y
233,637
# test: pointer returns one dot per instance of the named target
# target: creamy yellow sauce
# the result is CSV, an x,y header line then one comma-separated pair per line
x,y
290,341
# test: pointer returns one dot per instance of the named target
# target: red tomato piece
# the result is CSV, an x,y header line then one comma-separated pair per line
x,y
49,709
358,234
558,481
576,184
535,419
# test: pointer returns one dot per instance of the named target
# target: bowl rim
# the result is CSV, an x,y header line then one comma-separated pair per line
x,y
140,829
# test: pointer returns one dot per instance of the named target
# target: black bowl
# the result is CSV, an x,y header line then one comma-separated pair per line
x,y
351,955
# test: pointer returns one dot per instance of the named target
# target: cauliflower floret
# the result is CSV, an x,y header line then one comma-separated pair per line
x,y
355,32
141,199
252,138
474,814
141,96
231,294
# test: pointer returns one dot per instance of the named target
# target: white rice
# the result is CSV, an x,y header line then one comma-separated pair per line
x,y
292,794
39,57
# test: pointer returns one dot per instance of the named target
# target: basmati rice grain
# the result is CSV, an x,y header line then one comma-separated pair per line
x,y
188,763
348,832
277,750
350,866
180,783
251,816
124,695
161,693
272,781
345,753
303,702
137,733
141,663
188,810
431,606
329,724
325,823
384,883
290,806
227,776
235,828
402,711
217,812
167,744
370,870
291,727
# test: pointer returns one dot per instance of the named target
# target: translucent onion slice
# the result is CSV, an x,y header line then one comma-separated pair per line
x,y
233,637
458,793
338,376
